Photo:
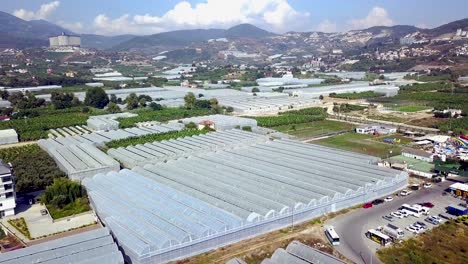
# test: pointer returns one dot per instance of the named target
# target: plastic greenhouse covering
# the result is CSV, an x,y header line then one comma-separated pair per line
x,y
92,247
201,192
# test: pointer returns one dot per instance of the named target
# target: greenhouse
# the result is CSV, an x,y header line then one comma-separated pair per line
x,y
140,155
257,105
185,206
107,122
92,247
221,122
299,253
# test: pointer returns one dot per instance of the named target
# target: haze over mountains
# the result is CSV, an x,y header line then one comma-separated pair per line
x,y
18,33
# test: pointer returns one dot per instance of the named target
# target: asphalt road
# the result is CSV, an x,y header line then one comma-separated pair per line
x,y
351,227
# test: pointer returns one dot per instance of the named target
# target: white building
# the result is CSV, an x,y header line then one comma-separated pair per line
x,y
65,41
7,191
376,129
417,154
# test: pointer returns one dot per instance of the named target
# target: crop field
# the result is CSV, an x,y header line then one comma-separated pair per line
x,y
360,143
163,115
315,128
293,117
446,243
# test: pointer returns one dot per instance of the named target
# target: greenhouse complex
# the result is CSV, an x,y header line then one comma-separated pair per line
x,y
182,197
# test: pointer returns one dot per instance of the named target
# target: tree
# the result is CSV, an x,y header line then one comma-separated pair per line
x,y
113,108
190,100
96,97
255,90
142,102
61,100
381,77
132,101
113,98
62,192
214,105
229,109
4,94
155,106
321,97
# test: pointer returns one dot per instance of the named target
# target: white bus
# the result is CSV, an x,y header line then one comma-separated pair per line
x,y
378,237
414,210
332,235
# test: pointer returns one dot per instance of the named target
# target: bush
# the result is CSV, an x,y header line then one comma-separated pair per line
x,y
20,225
96,97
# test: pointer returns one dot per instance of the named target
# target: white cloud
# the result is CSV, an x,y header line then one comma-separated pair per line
x,y
276,15
43,13
75,27
378,16
326,26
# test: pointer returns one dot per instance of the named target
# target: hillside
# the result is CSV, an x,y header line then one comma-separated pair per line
x,y
103,42
247,31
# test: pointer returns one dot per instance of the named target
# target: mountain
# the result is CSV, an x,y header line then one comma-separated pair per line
x,y
103,42
447,28
247,31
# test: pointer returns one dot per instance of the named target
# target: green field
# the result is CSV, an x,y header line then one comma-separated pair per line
x,y
411,108
316,128
365,144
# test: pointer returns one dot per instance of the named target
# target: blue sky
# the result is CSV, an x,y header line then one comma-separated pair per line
x,y
113,17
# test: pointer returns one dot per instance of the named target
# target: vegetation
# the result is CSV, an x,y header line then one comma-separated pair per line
x,y
411,108
163,115
20,225
354,95
96,97
424,87
458,126
190,100
346,108
444,244
34,169
361,144
64,198
293,117
438,100
61,100
155,137
315,128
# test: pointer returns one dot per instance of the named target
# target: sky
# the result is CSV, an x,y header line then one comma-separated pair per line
x,y
142,17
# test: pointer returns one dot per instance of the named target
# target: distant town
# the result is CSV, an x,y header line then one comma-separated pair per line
x,y
234,145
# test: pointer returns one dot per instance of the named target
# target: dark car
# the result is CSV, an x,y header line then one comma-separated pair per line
x,y
367,205
427,204
377,201
388,218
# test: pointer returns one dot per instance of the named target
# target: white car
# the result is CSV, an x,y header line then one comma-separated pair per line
x,y
427,185
412,229
397,215
403,213
405,192
388,199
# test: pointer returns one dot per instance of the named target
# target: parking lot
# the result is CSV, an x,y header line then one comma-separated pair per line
x,y
351,227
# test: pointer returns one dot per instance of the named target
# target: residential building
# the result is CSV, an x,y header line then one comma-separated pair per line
x,y
7,191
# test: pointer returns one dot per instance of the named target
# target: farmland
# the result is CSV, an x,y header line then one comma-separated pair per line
x,y
411,108
361,95
315,128
293,117
361,144
163,115
154,137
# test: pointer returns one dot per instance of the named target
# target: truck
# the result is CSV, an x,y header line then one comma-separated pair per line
x,y
392,231
457,210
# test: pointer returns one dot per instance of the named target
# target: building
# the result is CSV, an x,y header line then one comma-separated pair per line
x,y
7,191
459,189
8,136
92,247
65,40
376,129
417,154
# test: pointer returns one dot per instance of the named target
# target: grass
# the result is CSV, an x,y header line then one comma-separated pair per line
x,y
411,108
20,225
446,243
415,164
360,143
80,205
316,128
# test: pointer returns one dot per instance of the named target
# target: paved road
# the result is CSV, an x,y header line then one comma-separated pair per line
x,y
351,227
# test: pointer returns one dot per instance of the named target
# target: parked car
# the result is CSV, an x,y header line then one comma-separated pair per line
x,y
377,201
427,204
388,218
403,213
433,220
405,192
388,199
397,214
427,185
421,224
446,216
412,229
367,205
44,212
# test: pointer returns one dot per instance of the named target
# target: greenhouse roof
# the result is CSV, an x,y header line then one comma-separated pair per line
x,y
93,247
